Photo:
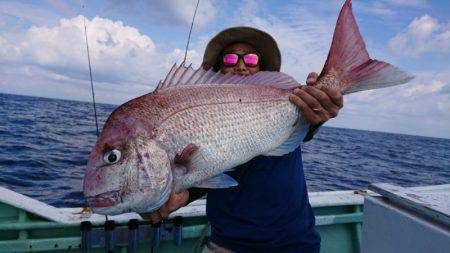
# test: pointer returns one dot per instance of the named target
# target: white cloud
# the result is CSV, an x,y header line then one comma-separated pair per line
x,y
388,8
27,12
423,35
180,12
177,56
420,107
302,36
118,52
125,62
171,12
410,3
377,8
421,89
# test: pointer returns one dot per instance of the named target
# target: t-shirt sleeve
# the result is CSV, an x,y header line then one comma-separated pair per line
x,y
312,131
196,193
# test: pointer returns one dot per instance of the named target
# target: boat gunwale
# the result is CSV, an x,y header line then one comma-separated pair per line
x,y
194,209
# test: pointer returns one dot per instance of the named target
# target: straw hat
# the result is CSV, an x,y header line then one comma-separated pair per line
x,y
261,41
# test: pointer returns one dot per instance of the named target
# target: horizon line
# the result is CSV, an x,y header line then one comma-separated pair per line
x,y
357,129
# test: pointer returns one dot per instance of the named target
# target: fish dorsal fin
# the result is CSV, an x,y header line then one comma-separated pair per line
x,y
186,75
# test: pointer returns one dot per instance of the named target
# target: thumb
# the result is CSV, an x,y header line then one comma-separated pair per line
x,y
312,78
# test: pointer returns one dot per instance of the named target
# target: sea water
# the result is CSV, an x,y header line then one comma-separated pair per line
x,y
45,143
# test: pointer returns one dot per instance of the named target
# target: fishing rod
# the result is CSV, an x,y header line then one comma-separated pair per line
x,y
190,31
91,79
90,74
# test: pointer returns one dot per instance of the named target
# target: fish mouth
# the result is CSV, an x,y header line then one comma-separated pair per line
x,y
105,199
102,202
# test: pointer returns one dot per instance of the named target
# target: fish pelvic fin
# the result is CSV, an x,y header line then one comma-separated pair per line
x,y
184,173
348,66
293,142
218,182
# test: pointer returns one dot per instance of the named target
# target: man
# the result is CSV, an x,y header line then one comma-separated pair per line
x,y
269,210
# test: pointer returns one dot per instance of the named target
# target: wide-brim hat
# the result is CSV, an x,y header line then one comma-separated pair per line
x,y
261,41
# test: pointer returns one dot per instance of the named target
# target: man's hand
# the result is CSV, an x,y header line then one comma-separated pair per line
x,y
316,102
176,201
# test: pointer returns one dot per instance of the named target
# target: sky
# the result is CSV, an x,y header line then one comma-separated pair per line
x,y
134,43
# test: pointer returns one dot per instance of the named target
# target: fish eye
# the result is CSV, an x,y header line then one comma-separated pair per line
x,y
111,157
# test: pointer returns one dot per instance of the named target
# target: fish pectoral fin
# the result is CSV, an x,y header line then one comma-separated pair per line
x,y
185,158
186,154
219,181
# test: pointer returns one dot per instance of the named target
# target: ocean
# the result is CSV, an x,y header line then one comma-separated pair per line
x,y
45,143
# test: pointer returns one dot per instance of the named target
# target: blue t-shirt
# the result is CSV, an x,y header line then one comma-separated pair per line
x,y
268,211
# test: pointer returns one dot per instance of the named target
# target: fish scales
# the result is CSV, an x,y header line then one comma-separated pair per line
x,y
229,126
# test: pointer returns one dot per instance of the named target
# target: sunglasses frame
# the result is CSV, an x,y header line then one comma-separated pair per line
x,y
240,56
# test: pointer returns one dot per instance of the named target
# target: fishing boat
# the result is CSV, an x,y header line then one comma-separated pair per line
x,y
348,221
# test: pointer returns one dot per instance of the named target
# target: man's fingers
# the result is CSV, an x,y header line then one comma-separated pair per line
x,y
311,101
176,200
164,211
146,216
317,102
311,116
325,101
156,217
335,95
312,78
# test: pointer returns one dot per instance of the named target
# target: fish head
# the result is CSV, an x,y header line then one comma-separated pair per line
x,y
127,170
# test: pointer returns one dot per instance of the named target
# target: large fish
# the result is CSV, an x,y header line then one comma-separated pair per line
x,y
198,124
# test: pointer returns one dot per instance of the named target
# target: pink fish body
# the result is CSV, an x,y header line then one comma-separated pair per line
x,y
198,124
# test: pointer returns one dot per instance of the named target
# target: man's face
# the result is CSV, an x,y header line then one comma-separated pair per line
x,y
240,68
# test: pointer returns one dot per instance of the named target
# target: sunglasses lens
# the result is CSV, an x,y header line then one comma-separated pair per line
x,y
251,60
230,60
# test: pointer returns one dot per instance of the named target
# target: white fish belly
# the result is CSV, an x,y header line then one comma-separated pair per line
x,y
228,134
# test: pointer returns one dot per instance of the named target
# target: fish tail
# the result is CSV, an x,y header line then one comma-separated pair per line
x,y
349,66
